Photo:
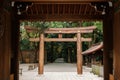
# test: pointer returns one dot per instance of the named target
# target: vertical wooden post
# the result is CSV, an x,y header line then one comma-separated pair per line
x,y
15,31
69,55
41,54
79,54
108,44
5,44
59,35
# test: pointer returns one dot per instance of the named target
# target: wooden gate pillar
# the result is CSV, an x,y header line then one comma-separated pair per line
x,y
41,54
108,45
79,54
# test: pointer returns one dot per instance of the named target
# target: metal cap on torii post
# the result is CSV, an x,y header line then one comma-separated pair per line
x,y
61,31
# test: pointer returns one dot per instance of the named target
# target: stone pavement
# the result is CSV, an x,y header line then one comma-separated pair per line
x,y
57,71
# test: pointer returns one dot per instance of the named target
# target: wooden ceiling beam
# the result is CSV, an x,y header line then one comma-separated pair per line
x,y
41,8
74,9
62,1
31,10
90,11
85,10
63,9
53,9
36,9
47,9
58,9
69,9
80,7
60,17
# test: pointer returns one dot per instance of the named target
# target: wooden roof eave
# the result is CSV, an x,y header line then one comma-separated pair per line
x,y
62,1
93,49
38,11
52,17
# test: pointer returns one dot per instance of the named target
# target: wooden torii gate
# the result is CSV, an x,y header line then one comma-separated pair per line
x,y
60,31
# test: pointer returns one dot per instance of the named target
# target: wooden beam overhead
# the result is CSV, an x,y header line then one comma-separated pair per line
x,y
34,39
69,32
43,17
85,9
63,32
36,9
31,10
60,40
72,29
59,10
86,39
62,1
88,29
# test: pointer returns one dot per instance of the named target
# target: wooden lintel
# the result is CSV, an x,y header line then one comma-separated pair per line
x,y
72,29
64,30
61,17
69,32
60,40
62,1
31,29
86,39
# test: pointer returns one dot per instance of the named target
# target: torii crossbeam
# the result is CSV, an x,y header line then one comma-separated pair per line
x,y
60,31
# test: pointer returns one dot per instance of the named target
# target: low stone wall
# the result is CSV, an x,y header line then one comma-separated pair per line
x,y
98,70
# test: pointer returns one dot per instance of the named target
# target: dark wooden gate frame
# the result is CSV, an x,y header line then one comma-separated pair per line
x,y
111,40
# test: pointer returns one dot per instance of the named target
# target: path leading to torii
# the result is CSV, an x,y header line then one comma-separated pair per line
x,y
58,71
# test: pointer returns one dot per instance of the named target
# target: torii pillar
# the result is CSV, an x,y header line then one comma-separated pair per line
x,y
41,54
79,53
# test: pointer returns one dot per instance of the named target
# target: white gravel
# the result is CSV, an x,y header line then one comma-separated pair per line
x,y
57,71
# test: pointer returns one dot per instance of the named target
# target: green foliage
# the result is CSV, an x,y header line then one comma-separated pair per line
x,y
98,24
84,24
57,49
24,44
25,35
97,35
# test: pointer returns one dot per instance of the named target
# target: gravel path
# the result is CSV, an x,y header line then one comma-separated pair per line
x,y
57,71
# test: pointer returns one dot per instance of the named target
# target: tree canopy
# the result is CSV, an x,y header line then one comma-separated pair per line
x,y
58,49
